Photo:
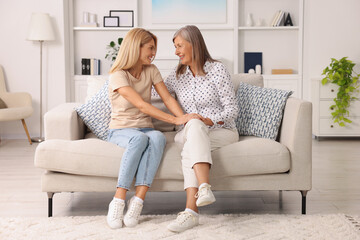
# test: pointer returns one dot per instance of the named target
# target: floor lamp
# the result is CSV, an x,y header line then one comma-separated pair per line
x,y
40,30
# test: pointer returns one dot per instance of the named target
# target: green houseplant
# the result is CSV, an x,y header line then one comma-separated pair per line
x,y
113,49
341,73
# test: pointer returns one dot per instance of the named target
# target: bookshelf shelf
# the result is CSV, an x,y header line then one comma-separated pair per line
x,y
101,29
270,28
281,47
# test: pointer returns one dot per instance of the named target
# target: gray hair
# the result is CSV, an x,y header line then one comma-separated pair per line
x,y
200,54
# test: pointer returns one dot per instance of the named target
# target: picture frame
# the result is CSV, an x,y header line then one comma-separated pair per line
x,y
111,21
126,17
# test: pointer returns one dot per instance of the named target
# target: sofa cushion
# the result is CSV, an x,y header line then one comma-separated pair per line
x,y
2,104
94,157
96,112
260,110
250,156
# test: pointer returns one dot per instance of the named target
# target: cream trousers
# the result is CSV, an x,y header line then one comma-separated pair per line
x,y
198,141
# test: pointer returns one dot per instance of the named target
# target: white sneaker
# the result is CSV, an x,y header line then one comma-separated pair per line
x,y
115,214
184,221
204,196
132,215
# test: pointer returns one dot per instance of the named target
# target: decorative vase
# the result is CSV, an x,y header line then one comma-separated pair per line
x,y
258,69
249,20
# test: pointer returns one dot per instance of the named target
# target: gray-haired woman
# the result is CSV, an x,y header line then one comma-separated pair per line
x,y
203,86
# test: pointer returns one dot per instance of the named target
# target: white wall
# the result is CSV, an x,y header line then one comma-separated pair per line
x,y
330,30
21,60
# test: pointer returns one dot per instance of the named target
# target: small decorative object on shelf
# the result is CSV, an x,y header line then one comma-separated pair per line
x,y
113,49
249,20
111,21
126,17
282,71
90,66
341,73
288,21
89,20
258,69
259,22
279,19
119,18
251,71
251,59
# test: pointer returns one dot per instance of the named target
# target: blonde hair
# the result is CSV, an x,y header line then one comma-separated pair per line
x,y
200,54
129,51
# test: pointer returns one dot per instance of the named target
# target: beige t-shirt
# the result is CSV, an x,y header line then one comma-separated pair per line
x,y
123,113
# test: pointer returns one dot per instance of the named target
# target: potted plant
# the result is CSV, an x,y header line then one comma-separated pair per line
x,y
341,73
113,49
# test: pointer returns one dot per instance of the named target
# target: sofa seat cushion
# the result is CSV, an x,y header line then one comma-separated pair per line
x,y
250,156
94,157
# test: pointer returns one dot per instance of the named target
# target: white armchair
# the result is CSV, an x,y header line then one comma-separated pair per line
x,y
18,105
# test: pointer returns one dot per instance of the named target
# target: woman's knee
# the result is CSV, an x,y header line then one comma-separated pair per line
x,y
140,139
157,137
195,124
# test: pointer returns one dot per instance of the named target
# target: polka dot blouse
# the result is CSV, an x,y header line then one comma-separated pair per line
x,y
212,96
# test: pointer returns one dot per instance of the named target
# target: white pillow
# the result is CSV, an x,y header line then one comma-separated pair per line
x,y
94,85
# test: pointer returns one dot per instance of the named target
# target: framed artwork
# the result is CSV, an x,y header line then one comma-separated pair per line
x,y
126,17
111,21
188,11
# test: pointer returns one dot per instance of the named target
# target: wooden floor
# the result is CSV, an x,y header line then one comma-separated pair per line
x,y
336,188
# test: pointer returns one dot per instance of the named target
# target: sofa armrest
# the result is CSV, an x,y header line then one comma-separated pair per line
x,y
62,122
296,135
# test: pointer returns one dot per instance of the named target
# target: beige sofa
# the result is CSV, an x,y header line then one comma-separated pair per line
x,y
76,161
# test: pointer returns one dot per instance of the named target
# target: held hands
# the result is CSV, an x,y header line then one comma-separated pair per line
x,y
187,117
210,123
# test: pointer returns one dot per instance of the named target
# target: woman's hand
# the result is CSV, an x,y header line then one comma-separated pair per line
x,y
208,122
187,117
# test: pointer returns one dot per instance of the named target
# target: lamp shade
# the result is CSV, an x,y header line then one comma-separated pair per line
x,y
40,28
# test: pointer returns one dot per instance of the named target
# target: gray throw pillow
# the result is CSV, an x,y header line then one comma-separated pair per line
x,y
260,110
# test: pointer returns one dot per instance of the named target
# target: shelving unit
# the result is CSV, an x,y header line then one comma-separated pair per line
x,y
282,47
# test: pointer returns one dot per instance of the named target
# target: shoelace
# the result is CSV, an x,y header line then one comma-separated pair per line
x,y
183,216
135,209
202,191
116,213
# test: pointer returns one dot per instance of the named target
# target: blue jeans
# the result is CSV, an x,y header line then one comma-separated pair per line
x,y
144,150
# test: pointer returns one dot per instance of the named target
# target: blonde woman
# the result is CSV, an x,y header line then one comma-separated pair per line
x,y
202,86
131,79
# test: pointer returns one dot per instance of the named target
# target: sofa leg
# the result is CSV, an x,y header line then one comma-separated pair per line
x,y
50,203
303,202
280,199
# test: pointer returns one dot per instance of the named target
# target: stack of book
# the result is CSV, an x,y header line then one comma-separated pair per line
x,y
90,66
279,19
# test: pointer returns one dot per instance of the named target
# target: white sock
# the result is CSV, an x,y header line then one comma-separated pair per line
x,y
138,199
119,199
192,212
203,184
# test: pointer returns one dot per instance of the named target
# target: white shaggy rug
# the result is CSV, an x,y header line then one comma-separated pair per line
x,y
228,226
